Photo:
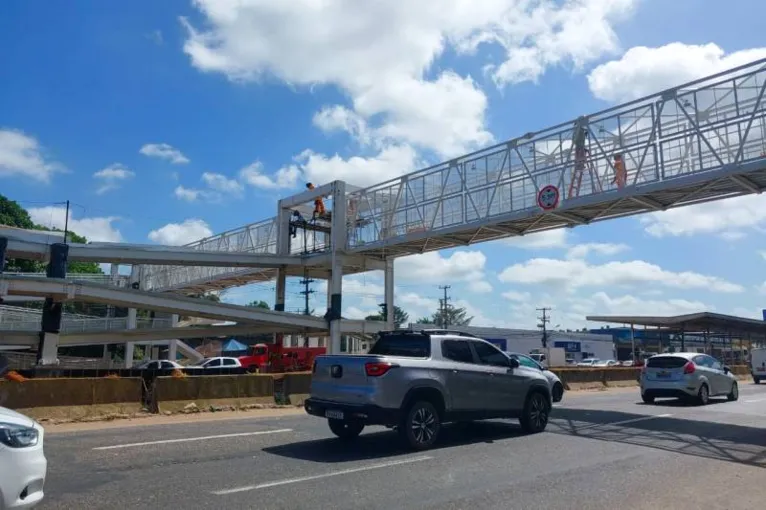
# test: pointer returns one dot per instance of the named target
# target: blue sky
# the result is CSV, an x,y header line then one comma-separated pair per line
x,y
226,104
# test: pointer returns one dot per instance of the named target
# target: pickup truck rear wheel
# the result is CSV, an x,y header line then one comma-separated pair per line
x,y
346,429
534,417
420,425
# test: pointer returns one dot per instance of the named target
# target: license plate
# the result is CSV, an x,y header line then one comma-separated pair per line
x,y
663,375
336,415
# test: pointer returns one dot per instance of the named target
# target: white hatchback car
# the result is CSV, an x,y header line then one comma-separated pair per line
x,y
22,461
687,375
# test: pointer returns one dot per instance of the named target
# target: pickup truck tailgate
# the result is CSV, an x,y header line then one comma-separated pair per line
x,y
343,379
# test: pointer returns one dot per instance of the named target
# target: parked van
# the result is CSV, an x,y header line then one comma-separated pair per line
x,y
758,364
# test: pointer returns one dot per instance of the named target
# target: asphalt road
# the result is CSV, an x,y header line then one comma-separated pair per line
x,y
601,450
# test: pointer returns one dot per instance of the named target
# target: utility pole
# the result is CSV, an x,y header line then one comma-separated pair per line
x,y
306,292
544,320
444,306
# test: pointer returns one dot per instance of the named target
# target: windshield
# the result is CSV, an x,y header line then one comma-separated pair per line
x,y
259,351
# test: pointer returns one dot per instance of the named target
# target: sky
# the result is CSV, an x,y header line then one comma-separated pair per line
x,y
166,122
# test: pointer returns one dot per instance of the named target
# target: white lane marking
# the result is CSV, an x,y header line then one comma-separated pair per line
x,y
191,439
752,400
288,481
623,422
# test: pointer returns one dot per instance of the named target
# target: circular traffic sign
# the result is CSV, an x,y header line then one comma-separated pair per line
x,y
548,197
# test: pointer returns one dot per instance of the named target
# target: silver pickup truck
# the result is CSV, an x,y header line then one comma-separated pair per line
x,y
416,381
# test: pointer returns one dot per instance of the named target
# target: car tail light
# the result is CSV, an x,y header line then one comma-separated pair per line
x,y
377,369
689,368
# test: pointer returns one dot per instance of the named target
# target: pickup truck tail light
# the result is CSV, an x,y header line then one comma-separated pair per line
x,y
377,369
689,368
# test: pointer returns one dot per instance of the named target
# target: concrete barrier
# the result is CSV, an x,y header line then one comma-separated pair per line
x,y
73,399
579,378
173,394
295,387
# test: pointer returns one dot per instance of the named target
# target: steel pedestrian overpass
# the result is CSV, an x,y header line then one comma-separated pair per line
x,y
694,143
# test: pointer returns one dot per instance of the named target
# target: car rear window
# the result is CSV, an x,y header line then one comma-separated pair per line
x,y
408,346
666,362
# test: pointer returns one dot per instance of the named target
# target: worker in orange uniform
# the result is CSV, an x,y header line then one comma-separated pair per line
x,y
620,173
319,209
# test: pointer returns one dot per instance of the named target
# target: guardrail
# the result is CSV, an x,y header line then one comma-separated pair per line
x,y
89,325
56,390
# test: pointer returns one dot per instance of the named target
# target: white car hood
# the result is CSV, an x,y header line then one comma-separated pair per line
x,y
8,416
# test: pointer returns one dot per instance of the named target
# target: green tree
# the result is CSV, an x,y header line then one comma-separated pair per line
x,y
259,304
400,316
452,316
424,320
13,215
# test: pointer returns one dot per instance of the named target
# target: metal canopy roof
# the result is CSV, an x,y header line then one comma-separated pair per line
x,y
694,322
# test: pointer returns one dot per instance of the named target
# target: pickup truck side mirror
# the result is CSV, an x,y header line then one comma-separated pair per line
x,y
726,369
514,363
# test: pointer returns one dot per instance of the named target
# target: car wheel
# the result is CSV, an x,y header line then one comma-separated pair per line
x,y
534,417
420,425
648,399
734,393
757,380
703,396
345,429
558,392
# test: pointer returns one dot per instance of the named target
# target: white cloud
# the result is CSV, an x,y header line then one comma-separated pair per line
x,y
724,217
479,286
221,183
339,118
286,177
187,194
581,251
164,151
217,187
178,234
22,155
111,177
380,56
96,229
600,303
549,239
642,71
512,295
575,274
392,161
432,267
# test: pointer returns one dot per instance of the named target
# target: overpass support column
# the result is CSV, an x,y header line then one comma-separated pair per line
x,y
389,293
135,272
3,248
114,273
335,289
173,344
279,301
47,350
338,236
